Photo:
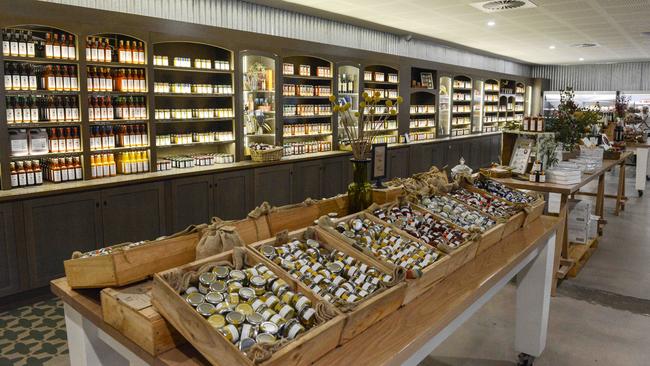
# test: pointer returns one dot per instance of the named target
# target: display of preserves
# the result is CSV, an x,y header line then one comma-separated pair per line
x,y
383,80
119,80
118,136
423,225
33,109
348,92
115,48
259,100
422,109
39,141
190,161
334,275
250,306
444,113
458,213
501,190
487,204
110,164
388,245
461,101
39,42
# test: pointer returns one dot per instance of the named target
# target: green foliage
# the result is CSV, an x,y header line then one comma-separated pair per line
x,y
570,122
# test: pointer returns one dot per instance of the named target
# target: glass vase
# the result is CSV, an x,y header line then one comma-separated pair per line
x,y
360,190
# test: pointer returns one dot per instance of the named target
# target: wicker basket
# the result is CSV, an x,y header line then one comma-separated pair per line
x,y
274,154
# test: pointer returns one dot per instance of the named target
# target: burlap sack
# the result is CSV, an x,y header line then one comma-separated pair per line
x,y
217,238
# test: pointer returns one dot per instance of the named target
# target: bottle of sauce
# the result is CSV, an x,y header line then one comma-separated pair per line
x,y
89,49
77,169
141,59
121,52
111,165
38,173
29,172
58,78
72,49
63,169
13,44
74,80
22,175
14,174
32,78
60,109
107,51
24,77
56,47
128,53
64,47
6,47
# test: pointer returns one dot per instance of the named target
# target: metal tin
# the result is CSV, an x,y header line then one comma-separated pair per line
x,y
255,319
244,308
195,299
237,275
230,332
235,318
246,293
269,327
292,329
191,289
213,297
258,284
246,343
217,321
268,251
218,286
265,338
221,272
206,309
307,317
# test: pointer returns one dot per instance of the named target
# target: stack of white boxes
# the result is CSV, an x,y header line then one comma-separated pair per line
x,y
582,225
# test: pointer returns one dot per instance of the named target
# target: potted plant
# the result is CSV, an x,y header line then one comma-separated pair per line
x,y
360,128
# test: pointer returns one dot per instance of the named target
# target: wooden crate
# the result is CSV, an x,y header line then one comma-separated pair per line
x,y
430,275
129,310
385,195
292,218
132,265
337,204
486,240
369,310
534,211
304,350
251,230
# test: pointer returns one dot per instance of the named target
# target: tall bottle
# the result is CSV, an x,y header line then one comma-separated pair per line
x,y
6,48
64,47
13,44
22,44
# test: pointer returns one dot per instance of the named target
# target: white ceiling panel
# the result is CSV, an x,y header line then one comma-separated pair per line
x,y
524,34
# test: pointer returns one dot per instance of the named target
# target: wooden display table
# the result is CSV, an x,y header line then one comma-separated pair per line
x,y
642,164
406,336
565,258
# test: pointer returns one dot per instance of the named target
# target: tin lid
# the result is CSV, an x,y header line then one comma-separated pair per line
x,y
255,318
246,293
235,318
258,281
221,271
312,243
194,299
238,275
265,338
207,278
334,267
217,321
244,308
218,286
246,343
206,309
269,327
267,250
214,297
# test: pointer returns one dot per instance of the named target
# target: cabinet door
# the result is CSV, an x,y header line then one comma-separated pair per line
x,y
57,226
191,201
421,157
453,154
233,194
273,185
133,213
439,155
306,180
496,148
486,151
398,163
9,278
476,160
335,177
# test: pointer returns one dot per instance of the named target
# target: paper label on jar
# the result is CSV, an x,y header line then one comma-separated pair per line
x,y
38,177
73,83
64,175
18,146
22,179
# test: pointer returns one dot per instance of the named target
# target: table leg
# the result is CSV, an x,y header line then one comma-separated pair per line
x,y
561,242
88,347
621,189
600,197
641,170
533,302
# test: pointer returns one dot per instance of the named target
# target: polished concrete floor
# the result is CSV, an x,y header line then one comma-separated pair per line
x,y
601,317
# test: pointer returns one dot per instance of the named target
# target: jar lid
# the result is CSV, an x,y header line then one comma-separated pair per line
x,y
206,309
237,275
267,250
218,286
217,321
214,297
258,281
235,318
269,327
265,338
255,318
194,299
244,308
221,271
207,278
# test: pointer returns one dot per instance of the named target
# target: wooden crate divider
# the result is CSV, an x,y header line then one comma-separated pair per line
x,y
129,310
304,350
430,275
369,310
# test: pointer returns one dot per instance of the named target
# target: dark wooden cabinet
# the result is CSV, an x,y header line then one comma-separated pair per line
x,y
307,180
495,148
453,154
398,163
9,277
486,150
191,201
439,155
420,157
475,160
125,221
57,226
233,194
336,176
273,185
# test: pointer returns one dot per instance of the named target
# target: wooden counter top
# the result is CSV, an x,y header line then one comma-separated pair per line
x,y
390,341
564,188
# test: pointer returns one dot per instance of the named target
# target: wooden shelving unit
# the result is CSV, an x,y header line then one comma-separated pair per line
x,y
461,106
349,89
385,80
259,81
491,105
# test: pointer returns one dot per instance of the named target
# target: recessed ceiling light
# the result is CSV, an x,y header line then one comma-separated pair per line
x,y
551,47
491,23
581,59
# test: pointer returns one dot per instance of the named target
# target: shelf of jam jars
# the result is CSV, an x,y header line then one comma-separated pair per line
x,y
422,109
42,105
193,93
444,106
306,111
478,95
348,91
520,100
385,80
491,106
461,106
259,101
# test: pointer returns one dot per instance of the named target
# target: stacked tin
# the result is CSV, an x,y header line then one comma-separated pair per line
x,y
386,244
484,203
423,225
501,190
458,213
334,275
250,306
